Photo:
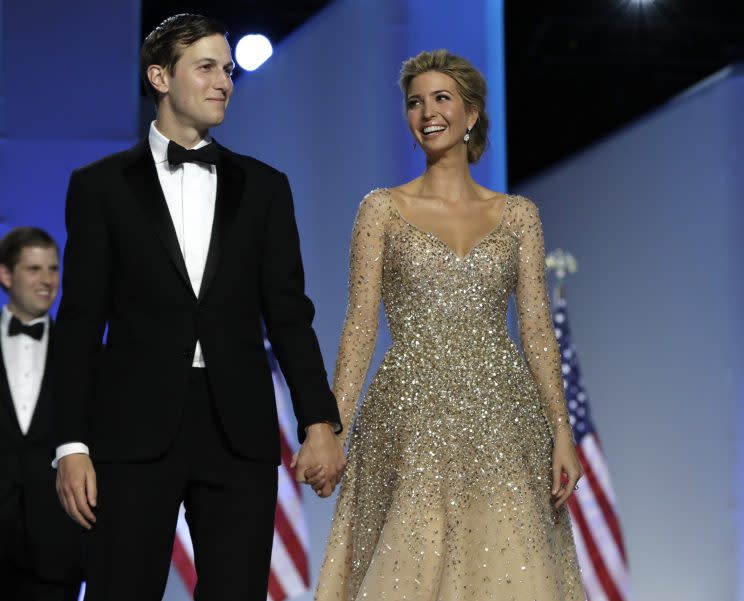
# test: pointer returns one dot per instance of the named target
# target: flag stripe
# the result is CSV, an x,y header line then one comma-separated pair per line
x,y
286,570
291,544
184,565
592,449
599,543
291,503
276,591
613,561
607,512
182,533
593,589
595,556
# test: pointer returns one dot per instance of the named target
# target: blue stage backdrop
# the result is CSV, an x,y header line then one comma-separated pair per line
x,y
68,95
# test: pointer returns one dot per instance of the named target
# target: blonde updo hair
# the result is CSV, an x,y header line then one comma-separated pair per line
x,y
470,85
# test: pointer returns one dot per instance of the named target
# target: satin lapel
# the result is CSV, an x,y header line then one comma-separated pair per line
x,y
230,178
145,185
7,400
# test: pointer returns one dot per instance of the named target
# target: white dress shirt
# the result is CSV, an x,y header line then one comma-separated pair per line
x,y
190,191
25,360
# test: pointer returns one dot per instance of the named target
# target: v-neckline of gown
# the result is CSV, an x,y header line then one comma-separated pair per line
x,y
441,242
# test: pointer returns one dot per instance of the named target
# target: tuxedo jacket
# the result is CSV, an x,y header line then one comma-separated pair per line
x,y
33,525
123,272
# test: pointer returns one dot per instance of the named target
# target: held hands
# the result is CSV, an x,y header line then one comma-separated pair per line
x,y
76,488
566,469
320,461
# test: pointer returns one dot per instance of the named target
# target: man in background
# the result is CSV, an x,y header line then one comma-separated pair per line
x,y
40,548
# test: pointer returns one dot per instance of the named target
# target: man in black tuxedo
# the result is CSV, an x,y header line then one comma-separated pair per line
x,y
40,548
182,248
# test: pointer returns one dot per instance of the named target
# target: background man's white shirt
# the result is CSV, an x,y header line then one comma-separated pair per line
x,y
25,361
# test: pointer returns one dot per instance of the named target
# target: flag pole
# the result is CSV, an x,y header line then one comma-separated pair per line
x,y
560,263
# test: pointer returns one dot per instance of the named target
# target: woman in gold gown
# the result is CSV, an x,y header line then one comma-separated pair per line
x,y
461,458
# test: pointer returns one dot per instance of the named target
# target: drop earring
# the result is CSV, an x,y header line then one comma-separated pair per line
x,y
466,137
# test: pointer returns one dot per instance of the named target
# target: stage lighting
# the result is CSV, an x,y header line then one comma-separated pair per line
x,y
252,51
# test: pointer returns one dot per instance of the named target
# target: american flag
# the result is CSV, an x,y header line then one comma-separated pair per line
x,y
290,574
596,528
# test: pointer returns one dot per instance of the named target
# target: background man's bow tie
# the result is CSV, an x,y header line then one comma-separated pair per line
x,y
15,327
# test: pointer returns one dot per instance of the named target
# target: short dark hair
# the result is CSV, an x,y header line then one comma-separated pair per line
x,y
164,45
13,243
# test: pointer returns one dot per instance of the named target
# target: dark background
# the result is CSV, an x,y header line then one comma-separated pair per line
x,y
575,69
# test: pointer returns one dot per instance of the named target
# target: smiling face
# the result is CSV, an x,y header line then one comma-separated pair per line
x,y
32,283
437,115
195,93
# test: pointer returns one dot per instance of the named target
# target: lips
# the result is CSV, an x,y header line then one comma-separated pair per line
x,y
433,129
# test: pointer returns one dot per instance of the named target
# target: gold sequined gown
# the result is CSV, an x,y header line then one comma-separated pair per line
x,y
447,491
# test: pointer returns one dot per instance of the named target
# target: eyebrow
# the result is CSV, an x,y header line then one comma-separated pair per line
x,y
213,61
434,93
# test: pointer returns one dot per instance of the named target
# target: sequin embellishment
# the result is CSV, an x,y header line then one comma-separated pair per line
x,y
447,492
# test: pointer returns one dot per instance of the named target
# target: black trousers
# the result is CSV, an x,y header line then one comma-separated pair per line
x,y
229,501
21,584
40,550
20,581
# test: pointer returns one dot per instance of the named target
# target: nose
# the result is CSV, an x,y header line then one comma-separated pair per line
x,y
429,111
48,277
224,83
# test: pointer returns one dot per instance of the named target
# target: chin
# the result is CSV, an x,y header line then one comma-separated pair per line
x,y
209,120
434,151
214,122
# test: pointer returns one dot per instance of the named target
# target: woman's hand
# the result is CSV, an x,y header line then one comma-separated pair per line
x,y
315,475
565,462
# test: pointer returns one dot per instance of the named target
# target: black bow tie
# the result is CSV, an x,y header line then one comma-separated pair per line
x,y
178,154
15,327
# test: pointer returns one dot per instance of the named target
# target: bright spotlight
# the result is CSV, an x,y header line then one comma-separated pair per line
x,y
252,51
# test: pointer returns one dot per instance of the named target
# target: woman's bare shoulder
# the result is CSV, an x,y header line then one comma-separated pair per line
x,y
491,195
406,191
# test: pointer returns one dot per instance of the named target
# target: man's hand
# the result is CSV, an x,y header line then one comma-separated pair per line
x,y
320,461
76,488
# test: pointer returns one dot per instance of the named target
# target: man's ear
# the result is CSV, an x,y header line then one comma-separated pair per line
x,y
6,276
158,78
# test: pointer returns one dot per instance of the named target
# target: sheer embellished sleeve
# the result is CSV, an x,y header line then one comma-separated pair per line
x,y
359,333
535,323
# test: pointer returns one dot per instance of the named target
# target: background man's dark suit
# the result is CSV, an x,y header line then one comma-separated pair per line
x,y
32,522
129,400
